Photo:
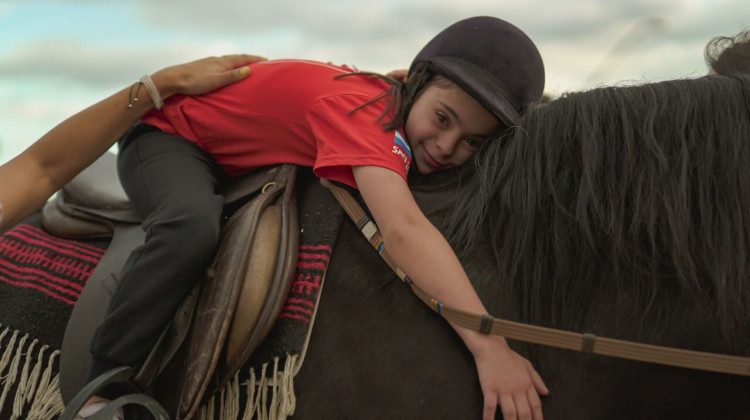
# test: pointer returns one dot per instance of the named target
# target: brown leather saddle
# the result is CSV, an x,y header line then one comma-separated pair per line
x,y
223,320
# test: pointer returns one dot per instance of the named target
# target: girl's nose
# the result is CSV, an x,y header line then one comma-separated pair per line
x,y
446,144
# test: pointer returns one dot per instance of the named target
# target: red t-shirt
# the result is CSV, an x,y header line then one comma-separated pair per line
x,y
290,111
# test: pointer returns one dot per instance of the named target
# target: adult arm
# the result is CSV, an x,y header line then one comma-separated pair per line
x,y
28,180
419,249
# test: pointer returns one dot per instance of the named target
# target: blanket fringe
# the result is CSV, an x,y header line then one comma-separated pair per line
x,y
267,397
270,395
40,396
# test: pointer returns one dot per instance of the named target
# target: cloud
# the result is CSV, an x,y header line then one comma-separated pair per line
x,y
96,65
353,21
573,36
576,37
50,66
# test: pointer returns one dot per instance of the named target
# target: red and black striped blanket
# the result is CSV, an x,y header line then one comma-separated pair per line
x,y
41,277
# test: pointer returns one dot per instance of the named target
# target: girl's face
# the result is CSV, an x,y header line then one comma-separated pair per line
x,y
446,126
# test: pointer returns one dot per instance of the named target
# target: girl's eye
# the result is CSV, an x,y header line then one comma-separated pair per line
x,y
473,142
441,118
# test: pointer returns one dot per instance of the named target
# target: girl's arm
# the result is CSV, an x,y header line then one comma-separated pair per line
x,y
419,249
31,177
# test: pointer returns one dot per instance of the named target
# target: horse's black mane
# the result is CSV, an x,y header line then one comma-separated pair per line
x,y
639,193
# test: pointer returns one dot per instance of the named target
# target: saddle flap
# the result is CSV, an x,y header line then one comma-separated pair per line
x,y
271,215
248,184
257,282
62,224
168,344
90,204
272,291
98,187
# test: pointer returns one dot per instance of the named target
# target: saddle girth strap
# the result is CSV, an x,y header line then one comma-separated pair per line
x,y
586,342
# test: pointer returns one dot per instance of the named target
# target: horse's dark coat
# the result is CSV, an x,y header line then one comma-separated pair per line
x,y
379,352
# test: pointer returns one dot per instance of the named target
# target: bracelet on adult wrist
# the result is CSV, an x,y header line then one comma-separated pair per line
x,y
152,91
134,98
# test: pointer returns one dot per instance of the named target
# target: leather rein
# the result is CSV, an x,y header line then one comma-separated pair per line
x,y
583,342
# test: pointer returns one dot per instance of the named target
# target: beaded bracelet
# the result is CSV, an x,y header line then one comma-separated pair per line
x,y
133,98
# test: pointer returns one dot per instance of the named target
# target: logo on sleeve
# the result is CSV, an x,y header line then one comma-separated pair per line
x,y
401,149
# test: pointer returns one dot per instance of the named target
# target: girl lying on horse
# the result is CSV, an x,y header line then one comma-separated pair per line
x,y
468,84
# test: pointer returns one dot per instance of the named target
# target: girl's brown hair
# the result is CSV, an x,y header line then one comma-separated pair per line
x,y
401,95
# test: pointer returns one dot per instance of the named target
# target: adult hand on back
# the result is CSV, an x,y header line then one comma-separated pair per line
x,y
204,75
31,177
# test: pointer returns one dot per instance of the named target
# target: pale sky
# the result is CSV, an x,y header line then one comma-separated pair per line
x,y
57,57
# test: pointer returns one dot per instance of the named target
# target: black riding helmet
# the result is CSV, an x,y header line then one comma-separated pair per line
x,y
492,60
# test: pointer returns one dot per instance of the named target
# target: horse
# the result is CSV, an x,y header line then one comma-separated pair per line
x,y
621,211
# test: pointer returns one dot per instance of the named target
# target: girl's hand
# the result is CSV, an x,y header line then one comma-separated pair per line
x,y
204,75
508,380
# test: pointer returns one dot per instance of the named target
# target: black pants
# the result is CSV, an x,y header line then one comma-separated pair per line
x,y
172,185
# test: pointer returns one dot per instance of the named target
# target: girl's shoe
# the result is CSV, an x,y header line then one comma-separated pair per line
x,y
94,408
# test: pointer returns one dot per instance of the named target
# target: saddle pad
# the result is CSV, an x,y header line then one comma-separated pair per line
x,y
34,312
